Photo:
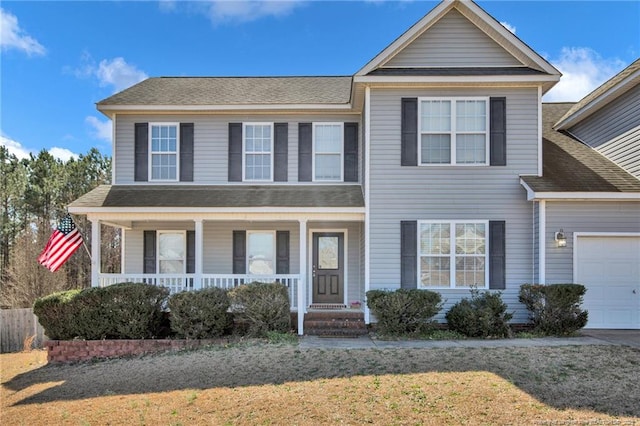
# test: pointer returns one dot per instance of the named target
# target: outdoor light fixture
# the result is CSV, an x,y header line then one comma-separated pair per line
x,y
561,239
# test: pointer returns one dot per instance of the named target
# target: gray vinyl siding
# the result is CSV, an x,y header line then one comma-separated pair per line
x,y
453,42
624,150
615,119
583,216
211,142
452,192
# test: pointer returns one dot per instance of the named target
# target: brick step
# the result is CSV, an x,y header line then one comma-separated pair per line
x,y
336,332
328,316
333,324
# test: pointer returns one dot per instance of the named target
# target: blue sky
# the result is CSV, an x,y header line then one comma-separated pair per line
x,y
59,58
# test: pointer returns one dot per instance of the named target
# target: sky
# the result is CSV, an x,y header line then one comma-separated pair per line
x,y
57,59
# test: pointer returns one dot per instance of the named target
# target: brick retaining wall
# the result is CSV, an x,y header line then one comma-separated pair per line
x,y
83,350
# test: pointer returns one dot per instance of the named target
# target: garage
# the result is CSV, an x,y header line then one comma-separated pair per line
x,y
609,267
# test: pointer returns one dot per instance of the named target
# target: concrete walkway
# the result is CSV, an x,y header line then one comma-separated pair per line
x,y
600,337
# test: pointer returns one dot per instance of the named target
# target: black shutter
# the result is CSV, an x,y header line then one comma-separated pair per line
x,y
305,152
409,136
149,252
350,152
282,252
281,152
235,152
408,254
141,152
239,252
191,252
498,132
186,152
497,264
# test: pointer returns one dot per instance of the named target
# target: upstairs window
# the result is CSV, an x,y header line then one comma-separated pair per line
x,y
327,151
453,131
258,151
163,151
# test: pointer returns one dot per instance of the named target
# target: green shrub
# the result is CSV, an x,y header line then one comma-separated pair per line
x,y
263,307
200,314
484,315
555,309
56,314
404,311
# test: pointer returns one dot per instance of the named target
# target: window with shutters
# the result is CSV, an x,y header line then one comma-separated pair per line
x,y
261,252
257,151
163,151
453,131
172,252
452,254
328,145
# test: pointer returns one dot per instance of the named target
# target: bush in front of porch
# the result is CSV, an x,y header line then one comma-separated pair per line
x,y
200,314
262,307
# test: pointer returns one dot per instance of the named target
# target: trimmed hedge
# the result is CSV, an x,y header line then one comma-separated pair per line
x,y
56,314
200,314
484,315
263,307
555,309
404,311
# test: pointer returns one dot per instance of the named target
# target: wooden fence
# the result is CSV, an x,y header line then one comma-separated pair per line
x,y
17,325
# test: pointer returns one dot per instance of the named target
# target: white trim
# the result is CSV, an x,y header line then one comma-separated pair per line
x,y
576,196
244,152
184,241
453,79
96,263
150,126
577,235
274,248
542,242
345,252
199,249
453,131
539,131
123,251
313,150
113,148
226,107
452,255
367,197
303,273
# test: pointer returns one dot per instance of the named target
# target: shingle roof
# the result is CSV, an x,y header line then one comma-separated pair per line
x,y
239,196
571,166
234,91
634,67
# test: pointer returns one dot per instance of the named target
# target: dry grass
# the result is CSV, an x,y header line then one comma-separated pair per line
x,y
281,384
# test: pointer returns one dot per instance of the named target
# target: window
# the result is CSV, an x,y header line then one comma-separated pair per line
x,y
164,151
261,249
327,151
258,151
452,254
453,131
171,252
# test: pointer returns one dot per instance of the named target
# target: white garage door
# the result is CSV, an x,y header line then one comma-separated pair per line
x,y
609,267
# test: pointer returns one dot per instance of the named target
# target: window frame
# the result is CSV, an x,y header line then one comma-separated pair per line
x,y
452,255
152,153
244,151
314,153
274,247
184,241
452,132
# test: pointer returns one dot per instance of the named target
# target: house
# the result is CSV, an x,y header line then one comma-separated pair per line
x,y
422,170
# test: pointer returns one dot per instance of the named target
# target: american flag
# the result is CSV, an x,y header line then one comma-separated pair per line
x,y
64,241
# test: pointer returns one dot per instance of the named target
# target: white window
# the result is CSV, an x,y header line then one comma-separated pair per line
x,y
163,152
453,131
261,249
258,151
452,254
171,252
328,143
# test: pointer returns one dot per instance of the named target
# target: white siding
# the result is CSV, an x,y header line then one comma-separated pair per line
x,y
624,150
453,41
211,142
583,216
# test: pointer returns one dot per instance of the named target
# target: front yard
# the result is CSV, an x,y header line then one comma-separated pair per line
x,y
257,383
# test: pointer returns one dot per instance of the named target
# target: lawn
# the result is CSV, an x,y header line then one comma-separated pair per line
x,y
258,383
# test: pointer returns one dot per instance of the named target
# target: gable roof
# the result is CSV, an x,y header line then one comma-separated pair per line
x,y
570,166
601,96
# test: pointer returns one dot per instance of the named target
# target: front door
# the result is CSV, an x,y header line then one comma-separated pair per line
x,y
328,267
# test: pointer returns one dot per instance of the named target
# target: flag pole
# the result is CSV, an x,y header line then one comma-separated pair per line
x,y
84,241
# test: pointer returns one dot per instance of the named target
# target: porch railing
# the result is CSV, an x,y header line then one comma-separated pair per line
x,y
189,282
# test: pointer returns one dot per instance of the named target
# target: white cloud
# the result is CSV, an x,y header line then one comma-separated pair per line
x,y
99,129
15,147
508,26
62,153
230,11
14,37
583,70
118,73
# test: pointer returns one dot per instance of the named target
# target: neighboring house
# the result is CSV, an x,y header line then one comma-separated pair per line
x,y
422,170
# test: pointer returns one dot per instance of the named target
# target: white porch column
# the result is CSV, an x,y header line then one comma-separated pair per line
x,y
95,253
302,282
199,254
